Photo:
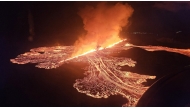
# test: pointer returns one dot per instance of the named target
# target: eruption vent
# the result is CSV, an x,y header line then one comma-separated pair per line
x,y
103,24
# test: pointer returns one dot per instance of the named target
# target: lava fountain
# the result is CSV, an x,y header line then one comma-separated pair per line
x,y
102,24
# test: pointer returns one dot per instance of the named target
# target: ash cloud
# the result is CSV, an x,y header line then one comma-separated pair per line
x,y
103,24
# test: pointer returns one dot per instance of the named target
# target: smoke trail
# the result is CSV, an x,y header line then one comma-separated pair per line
x,y
103,24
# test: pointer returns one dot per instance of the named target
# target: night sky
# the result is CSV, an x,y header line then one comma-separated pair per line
x,y
57,23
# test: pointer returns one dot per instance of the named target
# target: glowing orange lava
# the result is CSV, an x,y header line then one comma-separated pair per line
x,y
93,50
102,24
103,75
161,48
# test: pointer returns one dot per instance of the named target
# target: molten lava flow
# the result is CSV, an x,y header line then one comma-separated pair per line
x,y
104,78
161,48
103,73
93,50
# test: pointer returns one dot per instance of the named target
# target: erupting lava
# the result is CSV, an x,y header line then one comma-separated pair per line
x,y
104,76
102,24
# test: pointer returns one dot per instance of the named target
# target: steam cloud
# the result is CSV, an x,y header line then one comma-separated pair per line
x,y
103,24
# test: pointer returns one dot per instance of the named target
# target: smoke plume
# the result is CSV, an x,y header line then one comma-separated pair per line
x,y
103,24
